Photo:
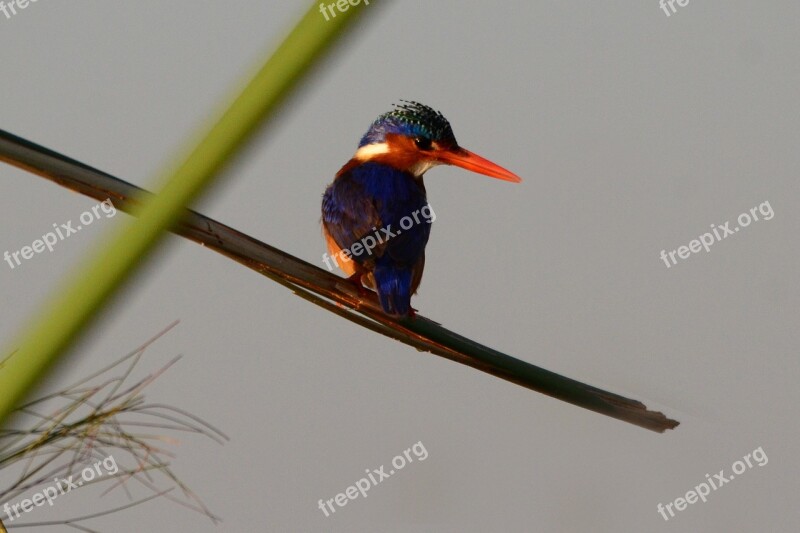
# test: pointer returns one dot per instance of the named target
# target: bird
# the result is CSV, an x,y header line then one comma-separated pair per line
x,y
374,212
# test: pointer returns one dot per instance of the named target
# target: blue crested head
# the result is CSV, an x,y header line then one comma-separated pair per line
x,y
411,119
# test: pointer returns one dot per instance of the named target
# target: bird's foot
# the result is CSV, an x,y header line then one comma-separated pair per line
x,y
355,280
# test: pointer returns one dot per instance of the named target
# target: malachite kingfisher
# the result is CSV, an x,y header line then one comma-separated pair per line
x,y
371,212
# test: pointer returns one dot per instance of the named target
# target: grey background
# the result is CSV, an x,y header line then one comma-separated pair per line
x,y
633,133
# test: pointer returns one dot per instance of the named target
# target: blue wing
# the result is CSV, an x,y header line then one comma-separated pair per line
x,y
374,202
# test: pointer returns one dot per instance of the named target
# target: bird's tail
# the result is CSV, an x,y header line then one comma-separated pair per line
x,y
393,285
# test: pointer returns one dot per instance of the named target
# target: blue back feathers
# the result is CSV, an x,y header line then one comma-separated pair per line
x,y
372,196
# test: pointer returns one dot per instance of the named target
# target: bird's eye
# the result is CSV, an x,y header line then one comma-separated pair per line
x,y
423,143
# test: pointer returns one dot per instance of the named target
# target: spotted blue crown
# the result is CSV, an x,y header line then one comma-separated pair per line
x,y
410,119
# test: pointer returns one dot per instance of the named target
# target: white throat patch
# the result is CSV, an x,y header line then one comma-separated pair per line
x,y
422,167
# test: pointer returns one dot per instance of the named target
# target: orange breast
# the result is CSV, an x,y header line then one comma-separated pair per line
x,y
347,265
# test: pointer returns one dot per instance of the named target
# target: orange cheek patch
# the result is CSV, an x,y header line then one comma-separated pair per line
x,y
402,154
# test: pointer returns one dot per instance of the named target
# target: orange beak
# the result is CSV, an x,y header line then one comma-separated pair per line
x,y
475,163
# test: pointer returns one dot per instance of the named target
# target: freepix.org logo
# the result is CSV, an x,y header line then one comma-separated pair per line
x,y
380,236
61,487
9,9
373,478
713,483
340,5
717,233
62,231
